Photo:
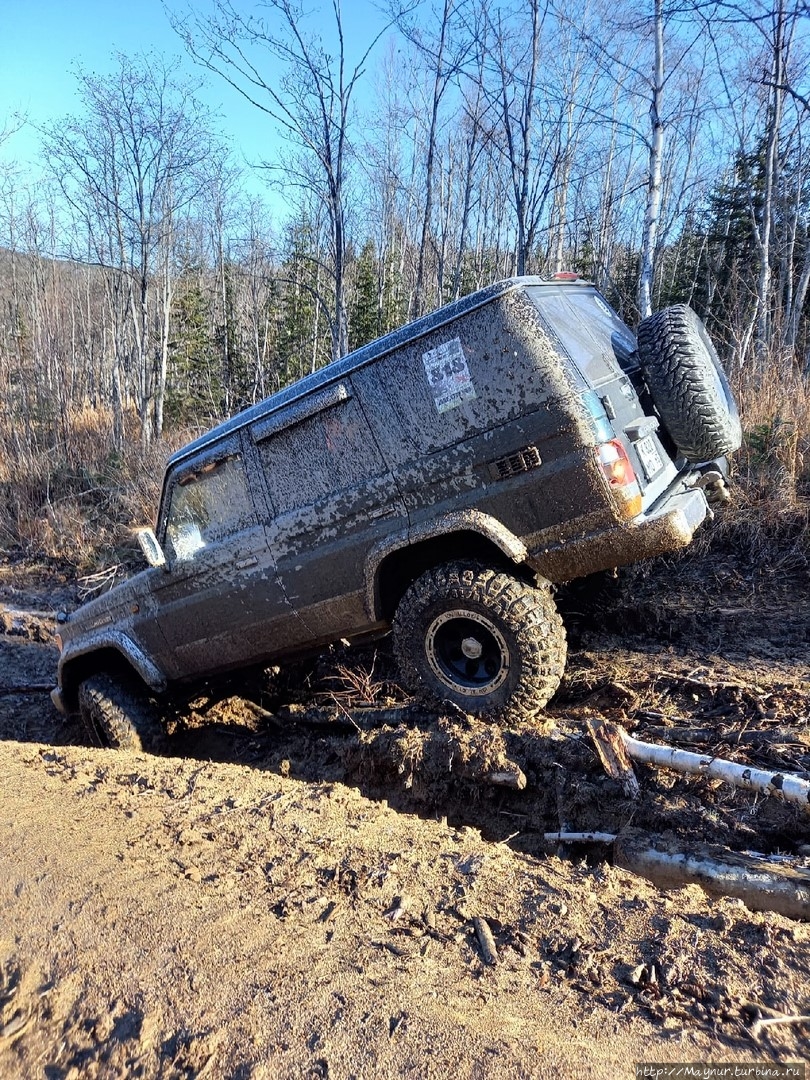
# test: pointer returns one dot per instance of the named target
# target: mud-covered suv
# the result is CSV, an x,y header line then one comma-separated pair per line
x,y
436,482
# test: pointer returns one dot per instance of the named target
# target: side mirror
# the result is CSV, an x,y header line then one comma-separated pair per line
x,y
151,548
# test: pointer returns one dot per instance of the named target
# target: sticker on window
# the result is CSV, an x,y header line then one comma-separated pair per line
x,y
448,375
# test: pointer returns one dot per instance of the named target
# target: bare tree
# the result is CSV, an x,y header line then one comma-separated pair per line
x,y
311,102
771,26
528,154
444,56
127,168
652,213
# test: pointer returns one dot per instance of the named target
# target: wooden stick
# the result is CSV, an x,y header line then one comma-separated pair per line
x,y
489,950
580,837
768,1021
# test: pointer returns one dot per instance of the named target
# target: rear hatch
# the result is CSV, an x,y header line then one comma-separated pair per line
x,y
603,351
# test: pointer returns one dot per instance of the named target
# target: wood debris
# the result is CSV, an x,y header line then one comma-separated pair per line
x,y
609,741
792,789
762,885
486,941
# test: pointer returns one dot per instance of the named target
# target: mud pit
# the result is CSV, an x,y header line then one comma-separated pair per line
x,y
293,892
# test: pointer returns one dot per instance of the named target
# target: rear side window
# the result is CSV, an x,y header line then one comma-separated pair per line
x,y
207,506
319,456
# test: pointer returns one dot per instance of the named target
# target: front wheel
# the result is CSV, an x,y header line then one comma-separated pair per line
x,y
117,713
481,639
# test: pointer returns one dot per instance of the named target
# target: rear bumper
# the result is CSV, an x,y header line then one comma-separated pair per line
x,y
668,527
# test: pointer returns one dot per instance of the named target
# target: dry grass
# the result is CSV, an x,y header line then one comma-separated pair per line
x,y
76,500
775,410
76,503
769,519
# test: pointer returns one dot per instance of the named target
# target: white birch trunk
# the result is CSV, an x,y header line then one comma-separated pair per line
x,y
784,785
653,212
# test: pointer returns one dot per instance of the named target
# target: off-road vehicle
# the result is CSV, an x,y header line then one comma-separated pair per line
x,y
438,483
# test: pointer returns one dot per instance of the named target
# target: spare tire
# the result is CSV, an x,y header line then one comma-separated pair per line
x,y
688,384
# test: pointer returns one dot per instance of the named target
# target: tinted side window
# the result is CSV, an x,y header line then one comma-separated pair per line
x,y
319,456
208,506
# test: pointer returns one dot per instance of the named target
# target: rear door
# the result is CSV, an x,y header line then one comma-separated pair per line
x,y
603,349
330,499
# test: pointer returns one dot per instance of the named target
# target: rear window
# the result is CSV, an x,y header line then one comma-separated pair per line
x,y
587,329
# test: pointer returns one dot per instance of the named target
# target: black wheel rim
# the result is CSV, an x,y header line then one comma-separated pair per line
x,y
467,652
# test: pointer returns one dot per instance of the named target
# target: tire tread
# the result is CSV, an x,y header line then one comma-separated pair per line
x,y
527,612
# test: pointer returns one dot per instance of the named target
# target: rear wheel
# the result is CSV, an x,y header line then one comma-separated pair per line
x,y
118,714
481,639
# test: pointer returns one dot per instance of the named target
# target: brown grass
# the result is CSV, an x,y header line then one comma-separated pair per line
x,y
775,410
78,502
768,521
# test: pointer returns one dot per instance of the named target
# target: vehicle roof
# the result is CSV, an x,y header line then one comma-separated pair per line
x,y
339,369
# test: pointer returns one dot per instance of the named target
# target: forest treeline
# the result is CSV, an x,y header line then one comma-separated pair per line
x,y
146,291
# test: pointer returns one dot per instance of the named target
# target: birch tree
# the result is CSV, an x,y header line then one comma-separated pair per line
x,y
310,101
654,179
127,168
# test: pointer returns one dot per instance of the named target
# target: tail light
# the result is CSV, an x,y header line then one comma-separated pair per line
x,y
618,471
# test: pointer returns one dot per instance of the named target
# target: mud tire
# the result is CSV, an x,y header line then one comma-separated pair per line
x,y
462,604
117,714
688,384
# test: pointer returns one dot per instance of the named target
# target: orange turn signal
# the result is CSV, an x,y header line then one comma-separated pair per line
x,y
618,471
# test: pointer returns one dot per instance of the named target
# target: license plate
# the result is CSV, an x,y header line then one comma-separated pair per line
x,y
649,457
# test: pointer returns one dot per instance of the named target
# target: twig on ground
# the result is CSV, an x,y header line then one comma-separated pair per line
x,y
763,1022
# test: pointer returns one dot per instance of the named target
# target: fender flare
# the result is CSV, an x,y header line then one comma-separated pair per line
x,y
456,521
119,642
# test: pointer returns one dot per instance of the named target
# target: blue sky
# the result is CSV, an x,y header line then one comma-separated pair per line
x,y
41,41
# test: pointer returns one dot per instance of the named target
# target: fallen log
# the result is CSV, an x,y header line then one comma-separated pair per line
x,y
761,885
792,789
750,737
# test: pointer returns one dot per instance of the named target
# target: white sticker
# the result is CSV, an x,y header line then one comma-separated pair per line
x,y
448,375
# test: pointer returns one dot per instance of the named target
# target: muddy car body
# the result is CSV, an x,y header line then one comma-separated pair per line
x,y
440,481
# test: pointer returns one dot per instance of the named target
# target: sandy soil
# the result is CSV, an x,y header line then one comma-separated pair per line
x,y
291,892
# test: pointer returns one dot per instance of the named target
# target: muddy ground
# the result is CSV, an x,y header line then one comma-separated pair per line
x,y
295,888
